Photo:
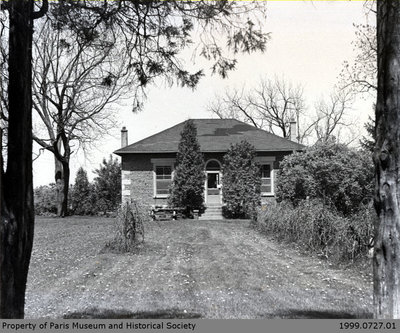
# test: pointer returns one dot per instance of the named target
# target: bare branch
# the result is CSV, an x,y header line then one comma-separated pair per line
x,y
270,106
42,11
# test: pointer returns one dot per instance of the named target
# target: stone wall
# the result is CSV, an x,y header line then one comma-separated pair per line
x,y
138,179
138,186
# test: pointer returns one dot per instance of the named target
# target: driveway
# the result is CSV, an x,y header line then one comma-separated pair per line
x,y
188,268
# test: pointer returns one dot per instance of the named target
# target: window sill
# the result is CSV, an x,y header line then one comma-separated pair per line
x,y
267,194
161,196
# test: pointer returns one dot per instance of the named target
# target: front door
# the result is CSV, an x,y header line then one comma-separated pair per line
x,y
213,188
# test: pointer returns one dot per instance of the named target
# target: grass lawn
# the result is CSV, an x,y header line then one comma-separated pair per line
x,y
185,269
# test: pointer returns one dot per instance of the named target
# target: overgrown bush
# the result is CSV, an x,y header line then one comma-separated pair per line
x,y
187,189
45,200
129,228
241,182
319,228
336,174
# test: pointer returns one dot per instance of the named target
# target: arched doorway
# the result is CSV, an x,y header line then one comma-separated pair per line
x,y
213,183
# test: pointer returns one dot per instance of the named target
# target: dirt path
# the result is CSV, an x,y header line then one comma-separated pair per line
x,y
209,269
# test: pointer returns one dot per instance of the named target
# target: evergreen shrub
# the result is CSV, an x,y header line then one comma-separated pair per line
x,y
187,190
241,182
82,200
107,186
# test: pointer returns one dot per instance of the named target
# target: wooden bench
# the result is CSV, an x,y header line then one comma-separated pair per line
x,y
159,213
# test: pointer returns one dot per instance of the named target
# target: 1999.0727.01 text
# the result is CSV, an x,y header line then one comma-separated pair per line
x,y
367,325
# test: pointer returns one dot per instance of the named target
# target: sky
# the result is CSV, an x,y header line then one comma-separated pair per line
x,y
310,40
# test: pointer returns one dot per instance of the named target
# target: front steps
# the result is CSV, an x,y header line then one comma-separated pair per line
x,y
213,212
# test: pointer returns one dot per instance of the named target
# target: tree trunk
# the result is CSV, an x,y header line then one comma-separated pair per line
x,y
17,212
58,175
66,174
386,261
62,185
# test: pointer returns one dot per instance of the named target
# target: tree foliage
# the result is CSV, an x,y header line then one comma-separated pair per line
x,y
107,185
340,176
361,74
82,194
155,32
241,181
45,199
368,142
187,189
86,198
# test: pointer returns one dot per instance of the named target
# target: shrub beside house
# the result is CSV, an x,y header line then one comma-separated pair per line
x,y
324,203
187,188
242,182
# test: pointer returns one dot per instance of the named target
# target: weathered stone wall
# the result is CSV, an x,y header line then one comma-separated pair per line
x,y
138,179
138,186
126,186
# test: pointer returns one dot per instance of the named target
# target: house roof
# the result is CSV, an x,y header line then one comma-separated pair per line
x,y
214,135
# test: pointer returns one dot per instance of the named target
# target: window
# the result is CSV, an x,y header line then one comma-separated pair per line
x,y
266,164
163,172
266,179
163,180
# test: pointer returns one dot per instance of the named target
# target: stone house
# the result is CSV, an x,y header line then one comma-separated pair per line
x,y
148,165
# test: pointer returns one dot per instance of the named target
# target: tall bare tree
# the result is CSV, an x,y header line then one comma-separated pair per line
x,y
76,83
331,118
386,261
273,104
270,106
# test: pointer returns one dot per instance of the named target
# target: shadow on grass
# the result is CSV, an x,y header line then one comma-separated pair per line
x,y
95,313
314,314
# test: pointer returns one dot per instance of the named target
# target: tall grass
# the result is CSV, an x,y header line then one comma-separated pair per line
x,y
319,228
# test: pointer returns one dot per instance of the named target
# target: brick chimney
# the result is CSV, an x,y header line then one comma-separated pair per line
x,y
293,130
124,137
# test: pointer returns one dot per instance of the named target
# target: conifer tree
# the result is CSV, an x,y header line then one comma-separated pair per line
x,y
107,185
368,142
81,194
187,189
241,182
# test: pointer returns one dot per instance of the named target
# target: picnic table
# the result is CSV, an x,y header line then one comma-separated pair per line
x,y
166,213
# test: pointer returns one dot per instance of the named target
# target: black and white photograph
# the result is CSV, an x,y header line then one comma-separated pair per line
x,y
190,160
